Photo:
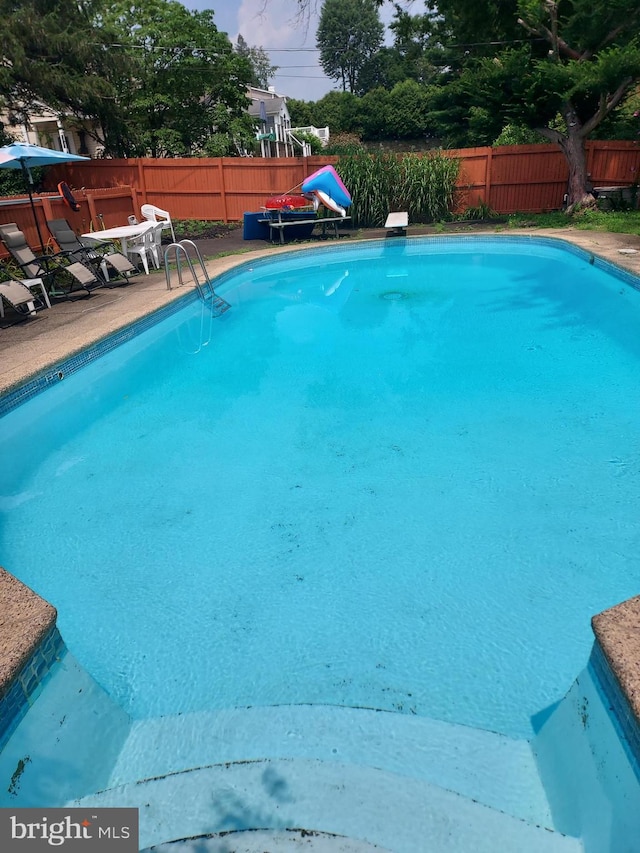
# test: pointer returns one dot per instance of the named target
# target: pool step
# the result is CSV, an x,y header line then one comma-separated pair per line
x,y
52,755
359,803
494,770
257,841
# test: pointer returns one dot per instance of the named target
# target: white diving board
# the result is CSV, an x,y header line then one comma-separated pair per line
x,y
397,222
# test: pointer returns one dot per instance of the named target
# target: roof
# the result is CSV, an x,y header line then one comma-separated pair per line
x,y
273,106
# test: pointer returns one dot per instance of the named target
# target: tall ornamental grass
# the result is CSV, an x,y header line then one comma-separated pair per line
x,y
424,186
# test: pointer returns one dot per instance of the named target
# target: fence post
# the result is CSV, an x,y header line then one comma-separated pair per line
x,y
142,187
46,206
487,177
223,192
93,213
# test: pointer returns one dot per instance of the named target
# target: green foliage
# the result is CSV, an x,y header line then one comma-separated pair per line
x,y
424,186
341,111
376,114
312,140
262,71
302,112
577,59
189,84
57,52
623,123
148,77
194,229
344,144
12,181
517,134
479,211
349,33
411,107
418,47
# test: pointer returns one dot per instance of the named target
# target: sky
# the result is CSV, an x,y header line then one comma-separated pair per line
x,y
275,25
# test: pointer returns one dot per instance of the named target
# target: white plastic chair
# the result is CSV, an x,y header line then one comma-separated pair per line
x,y
156,214
157,245
145,247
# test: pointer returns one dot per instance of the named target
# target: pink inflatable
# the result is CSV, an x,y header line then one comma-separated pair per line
x,y
326,185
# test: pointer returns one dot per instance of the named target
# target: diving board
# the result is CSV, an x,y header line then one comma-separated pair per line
x,y
397,222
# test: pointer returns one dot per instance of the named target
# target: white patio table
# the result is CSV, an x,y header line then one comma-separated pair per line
x,y
121,232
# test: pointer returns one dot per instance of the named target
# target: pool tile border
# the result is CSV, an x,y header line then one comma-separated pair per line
x,y
22,393
616,659
30,645
627,726
363,246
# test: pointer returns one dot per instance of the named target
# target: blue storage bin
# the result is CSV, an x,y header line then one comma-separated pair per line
x,y
253,229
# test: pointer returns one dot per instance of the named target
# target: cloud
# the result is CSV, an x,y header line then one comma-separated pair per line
x,y
274,24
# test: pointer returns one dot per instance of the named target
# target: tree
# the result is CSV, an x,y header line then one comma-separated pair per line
x,y
341,111
56,52
418,47
262,71
188,89
578,61
302,112
349,33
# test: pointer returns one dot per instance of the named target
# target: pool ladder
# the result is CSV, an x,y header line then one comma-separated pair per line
x,y
205,287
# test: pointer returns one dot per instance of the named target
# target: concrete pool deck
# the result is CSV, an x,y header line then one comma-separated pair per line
x,y
30,348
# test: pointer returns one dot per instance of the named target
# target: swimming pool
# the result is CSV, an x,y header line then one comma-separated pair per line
x,y
399,477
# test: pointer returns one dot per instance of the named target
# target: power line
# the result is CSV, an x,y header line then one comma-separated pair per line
x,y
183,48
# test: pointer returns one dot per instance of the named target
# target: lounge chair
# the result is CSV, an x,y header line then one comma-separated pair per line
x,y
61,274
156,214
103,260
18,296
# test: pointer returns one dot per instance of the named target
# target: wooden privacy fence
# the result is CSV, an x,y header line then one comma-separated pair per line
x,y
508,179
533,178
113,205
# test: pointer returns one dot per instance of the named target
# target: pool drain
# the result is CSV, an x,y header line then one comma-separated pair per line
x,y
393,295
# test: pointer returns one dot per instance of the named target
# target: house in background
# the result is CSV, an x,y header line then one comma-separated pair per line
x,y
321,132
273,122
274,132
43,126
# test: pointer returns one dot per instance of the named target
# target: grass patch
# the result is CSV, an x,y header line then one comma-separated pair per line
x,y
588,219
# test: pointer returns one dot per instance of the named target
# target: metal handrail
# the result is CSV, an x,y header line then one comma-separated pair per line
x,y
179,250
205,289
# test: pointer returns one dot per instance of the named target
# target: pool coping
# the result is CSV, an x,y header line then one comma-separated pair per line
x,y
29,645
28,623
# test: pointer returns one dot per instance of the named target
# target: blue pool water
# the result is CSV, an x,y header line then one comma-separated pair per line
x,y
394,476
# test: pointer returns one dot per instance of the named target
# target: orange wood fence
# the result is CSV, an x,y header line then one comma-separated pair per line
x,y
533,178
113,205
509,179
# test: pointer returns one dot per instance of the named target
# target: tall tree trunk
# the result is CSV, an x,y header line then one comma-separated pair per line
x,y
573,146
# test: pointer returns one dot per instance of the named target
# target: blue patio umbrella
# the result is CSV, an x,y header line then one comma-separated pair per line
x,y
22,156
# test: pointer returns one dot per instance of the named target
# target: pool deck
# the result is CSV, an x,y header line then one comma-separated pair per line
x,y
31,347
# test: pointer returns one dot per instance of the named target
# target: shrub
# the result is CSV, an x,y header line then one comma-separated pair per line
x,y
423,185
344,143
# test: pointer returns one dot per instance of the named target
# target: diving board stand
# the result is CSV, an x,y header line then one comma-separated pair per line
x,y
397,223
